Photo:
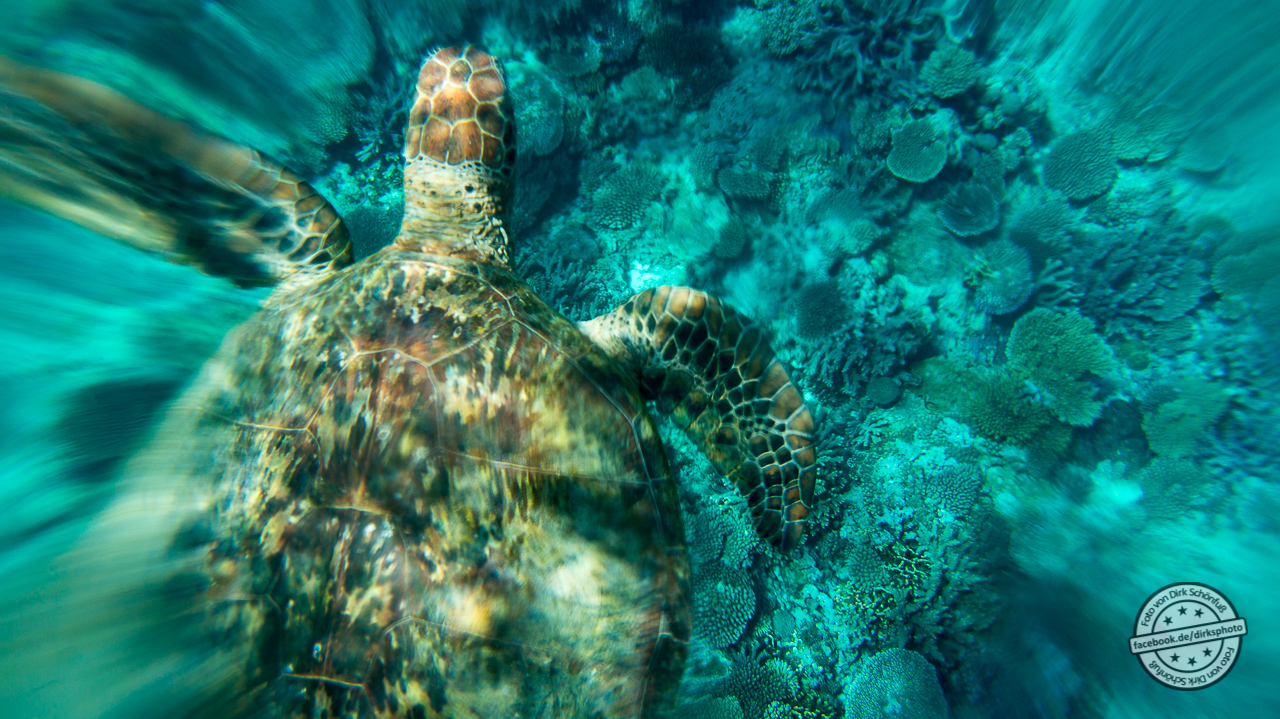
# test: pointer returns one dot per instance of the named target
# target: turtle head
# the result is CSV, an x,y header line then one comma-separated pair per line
x,y
459,155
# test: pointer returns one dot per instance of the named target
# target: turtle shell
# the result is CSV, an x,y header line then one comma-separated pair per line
x,y
431,495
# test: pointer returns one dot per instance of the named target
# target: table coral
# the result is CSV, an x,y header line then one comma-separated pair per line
x,y
970,209
1059,354
1082,164
918,152
949,71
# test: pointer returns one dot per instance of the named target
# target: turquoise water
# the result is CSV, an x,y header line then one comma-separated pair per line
x,y
1022,258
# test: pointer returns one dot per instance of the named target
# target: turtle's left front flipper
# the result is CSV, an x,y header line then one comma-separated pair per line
x,y
85,152
712,369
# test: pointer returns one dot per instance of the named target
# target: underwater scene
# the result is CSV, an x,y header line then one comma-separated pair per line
x,y
680,359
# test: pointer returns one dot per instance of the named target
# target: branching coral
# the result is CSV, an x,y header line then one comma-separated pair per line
x,y
949,71
883,324
704,163
1059,355
918,152
1002,280
724,604
1082,164
1126,280
864,46
953,489
788,26
1003,408
758,683
970,209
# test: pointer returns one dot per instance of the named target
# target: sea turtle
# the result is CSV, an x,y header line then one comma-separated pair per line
x,y
406,487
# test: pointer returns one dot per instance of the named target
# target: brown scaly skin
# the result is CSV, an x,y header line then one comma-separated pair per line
x,y
85,152
713,370
411,489
459,155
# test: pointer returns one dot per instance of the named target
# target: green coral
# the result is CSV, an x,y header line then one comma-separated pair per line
x,y
1059,356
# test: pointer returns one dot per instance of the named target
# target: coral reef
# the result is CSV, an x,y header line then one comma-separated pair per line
x,y
899,683
1082,164
1057,354
1001,279
621,200
970,209
949,71
1015,298
918,152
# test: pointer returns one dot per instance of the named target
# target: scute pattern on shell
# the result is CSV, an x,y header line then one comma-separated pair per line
x,y
458,115
428,474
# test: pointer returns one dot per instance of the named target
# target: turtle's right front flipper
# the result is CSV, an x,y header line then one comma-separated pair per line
x,y
712,369
84,152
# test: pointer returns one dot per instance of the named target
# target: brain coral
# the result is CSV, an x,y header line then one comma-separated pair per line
x,y
1082,164
1058,354
1002,282
949,71
970,209
897,683
918,152
621,201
